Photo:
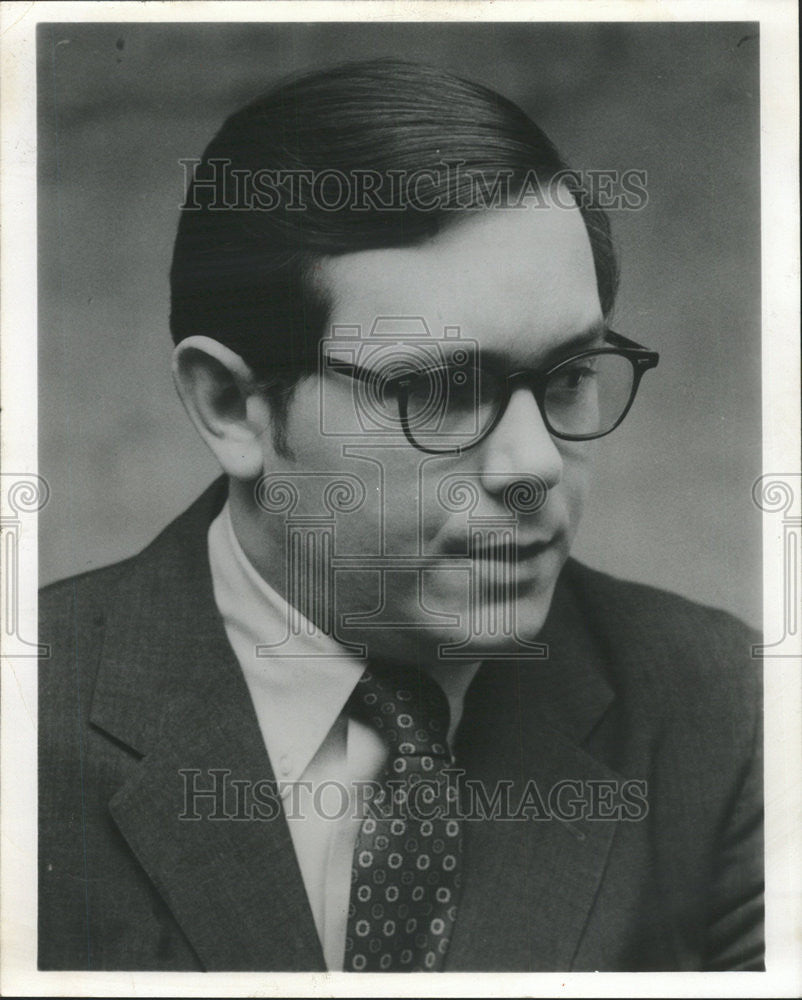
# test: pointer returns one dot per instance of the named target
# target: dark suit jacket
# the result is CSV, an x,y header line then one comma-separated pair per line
x,y
639,685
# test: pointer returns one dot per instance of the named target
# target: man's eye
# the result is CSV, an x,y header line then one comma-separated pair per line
x,y
574,377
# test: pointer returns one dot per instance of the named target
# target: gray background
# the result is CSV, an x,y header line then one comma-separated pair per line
x,y
121,104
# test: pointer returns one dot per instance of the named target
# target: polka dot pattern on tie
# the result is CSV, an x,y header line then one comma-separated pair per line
x,y
405,878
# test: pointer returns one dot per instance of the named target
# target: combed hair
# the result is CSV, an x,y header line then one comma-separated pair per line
x,y
245,277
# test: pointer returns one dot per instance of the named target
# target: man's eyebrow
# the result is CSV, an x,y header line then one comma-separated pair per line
x,y
551,351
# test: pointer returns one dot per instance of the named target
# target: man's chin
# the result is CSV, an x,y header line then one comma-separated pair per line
x,y
504,631
506,627
445,624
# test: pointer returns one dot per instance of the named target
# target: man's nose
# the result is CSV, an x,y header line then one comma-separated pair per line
x,y
520,446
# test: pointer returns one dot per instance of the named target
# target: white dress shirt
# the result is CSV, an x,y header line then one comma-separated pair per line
x,y
316,751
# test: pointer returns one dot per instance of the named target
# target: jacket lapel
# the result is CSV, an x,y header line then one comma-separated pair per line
x,y
530,881
170,688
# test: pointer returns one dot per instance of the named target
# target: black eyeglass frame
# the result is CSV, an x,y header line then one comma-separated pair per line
x,y
641,359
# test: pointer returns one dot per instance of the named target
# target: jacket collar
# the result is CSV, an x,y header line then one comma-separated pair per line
x,y
164,638
169,687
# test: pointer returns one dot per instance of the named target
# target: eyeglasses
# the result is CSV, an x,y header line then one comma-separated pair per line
x,y
449,408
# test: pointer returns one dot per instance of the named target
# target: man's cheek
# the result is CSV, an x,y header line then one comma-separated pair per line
x,y
575,484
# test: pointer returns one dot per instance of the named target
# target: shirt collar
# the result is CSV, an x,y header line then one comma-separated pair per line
x,y
300,688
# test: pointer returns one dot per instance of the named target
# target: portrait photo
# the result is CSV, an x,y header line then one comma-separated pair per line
x,y
401,497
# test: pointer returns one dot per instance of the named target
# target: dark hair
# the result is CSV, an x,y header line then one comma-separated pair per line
x,y
244,254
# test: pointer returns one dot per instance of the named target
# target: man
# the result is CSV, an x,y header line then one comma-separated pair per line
x,y
356,708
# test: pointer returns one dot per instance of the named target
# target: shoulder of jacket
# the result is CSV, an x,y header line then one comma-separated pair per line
x,y
664,610
675,647
75,596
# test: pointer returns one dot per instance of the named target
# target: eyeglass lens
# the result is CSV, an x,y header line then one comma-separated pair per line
x,y
448,408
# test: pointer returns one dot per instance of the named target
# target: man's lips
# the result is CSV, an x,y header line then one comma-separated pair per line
x,y
518,552
508,551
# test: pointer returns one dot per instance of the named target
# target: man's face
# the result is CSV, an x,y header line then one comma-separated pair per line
x,y
521,285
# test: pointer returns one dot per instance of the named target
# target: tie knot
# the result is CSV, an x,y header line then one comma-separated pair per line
x,y
408,709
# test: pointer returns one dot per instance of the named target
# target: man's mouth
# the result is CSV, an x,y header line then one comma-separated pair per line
x,y
501,549
508,551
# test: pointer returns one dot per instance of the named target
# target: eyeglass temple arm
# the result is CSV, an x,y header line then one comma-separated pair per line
x,y
649,356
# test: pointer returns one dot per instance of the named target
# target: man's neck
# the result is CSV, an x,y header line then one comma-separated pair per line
x,y
264,549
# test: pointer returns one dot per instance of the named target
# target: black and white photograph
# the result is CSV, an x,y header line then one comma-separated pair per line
x,y
400,498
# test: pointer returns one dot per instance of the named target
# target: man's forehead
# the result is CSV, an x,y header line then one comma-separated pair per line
x,y
515,280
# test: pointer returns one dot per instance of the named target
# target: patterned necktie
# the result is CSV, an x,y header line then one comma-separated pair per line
x,y
406,869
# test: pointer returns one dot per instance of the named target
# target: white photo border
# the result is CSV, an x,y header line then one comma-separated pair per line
x,y
781,451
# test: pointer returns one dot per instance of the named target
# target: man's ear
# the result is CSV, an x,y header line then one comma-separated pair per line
x,y
217,390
